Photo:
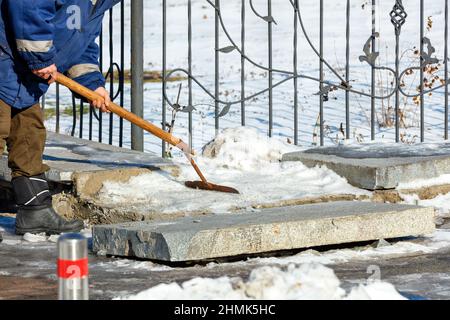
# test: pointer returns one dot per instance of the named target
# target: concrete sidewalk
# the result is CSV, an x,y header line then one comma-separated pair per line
x,y
68,156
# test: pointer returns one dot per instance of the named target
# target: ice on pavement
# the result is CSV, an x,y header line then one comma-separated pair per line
x,y
440,240
244,159
305,282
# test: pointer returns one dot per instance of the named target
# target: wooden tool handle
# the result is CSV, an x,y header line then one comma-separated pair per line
x,y
121,112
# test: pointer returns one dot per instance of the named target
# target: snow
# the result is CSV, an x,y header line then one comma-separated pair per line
x,y
306,282
374,291
438,241
29,238
246,149
111,266
41,237
246,160
34,238
441,203
424,183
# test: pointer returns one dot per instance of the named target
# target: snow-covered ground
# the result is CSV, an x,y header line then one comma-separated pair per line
x,y
307,275
306,282
241,158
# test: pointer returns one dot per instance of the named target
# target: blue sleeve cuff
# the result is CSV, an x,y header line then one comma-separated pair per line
x,y
92,80
37,65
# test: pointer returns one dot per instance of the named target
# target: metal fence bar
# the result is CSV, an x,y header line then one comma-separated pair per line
x,y
422,97
122,64
100,115
347,72
74,116
243,13
111,73
80,134
446,69
164,71
190,103
321,77
58,125
373,75
270,53
91,119
397,93
217,67
296,73
397,26
137,71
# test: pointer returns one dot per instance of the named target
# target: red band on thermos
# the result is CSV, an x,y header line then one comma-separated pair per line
x,y
73,269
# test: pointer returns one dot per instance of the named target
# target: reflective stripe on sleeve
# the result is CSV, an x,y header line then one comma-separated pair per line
x,y
34,46
82,69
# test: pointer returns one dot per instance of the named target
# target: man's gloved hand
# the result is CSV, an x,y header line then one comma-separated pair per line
x,y
102,104
48,73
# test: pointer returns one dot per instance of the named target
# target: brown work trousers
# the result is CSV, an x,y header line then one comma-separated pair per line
x,y
24,134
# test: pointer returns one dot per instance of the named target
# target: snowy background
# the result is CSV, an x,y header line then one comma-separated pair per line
x,y
257,79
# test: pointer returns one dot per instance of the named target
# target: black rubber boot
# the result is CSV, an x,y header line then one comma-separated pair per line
x,y
36,213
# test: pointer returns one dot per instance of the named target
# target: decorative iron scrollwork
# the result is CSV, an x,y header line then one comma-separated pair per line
x,y
370,57
398,16
426,56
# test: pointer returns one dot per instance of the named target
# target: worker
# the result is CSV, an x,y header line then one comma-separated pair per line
x,y
38,39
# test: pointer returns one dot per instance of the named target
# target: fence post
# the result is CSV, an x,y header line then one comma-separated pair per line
x,y
137,71
164,71
217,66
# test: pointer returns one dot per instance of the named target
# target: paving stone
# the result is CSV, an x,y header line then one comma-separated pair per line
x,y
277,229
379,166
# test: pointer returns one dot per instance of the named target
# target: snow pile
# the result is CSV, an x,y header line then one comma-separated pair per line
x,y
241,158
40,237
424,183
376,290
441,203
245,149
306,282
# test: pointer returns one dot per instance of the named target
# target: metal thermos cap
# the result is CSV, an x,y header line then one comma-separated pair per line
x,y
72,247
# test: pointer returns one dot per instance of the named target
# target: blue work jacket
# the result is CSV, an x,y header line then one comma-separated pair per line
x,y
35,34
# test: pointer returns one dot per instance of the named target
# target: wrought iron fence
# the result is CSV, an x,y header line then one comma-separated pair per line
x,y
370,55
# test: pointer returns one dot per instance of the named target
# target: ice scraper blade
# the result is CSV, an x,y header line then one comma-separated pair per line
x,y
200,185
